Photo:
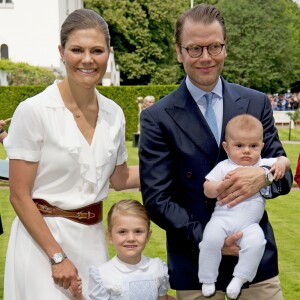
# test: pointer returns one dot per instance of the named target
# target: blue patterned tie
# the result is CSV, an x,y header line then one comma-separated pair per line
x,y
210,116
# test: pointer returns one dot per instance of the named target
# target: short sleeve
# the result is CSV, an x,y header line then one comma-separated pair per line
x,y
164,285
122,152
215,174
96,289
25,137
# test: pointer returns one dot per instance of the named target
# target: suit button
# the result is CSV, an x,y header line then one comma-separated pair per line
x,y
189,175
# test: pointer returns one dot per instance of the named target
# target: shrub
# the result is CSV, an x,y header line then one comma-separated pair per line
x,y
20,74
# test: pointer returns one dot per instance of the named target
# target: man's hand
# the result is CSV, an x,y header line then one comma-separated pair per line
x,y
231,246
240,184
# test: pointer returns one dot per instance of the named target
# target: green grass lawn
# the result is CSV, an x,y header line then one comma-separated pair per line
x,y
283,213
287,135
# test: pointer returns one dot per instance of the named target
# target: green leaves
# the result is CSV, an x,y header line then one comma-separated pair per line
x,y
260,51
142,37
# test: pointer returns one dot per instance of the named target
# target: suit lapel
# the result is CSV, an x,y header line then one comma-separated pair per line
x,y
187,115
233,105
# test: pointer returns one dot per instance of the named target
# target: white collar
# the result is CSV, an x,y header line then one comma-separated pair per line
x,y
197,93
126,268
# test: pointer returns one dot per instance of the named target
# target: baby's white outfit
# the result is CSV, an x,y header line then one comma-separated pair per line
x,y
225,221
116,280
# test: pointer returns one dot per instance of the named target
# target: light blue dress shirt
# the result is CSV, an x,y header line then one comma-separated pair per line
x,y
198,96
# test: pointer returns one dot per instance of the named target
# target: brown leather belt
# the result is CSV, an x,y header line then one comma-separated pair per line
x,y
88,215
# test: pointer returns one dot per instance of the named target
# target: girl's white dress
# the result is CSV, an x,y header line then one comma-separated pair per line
x,y
71,174
116,280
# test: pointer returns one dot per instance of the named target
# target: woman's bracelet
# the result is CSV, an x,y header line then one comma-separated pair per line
x,y
2,130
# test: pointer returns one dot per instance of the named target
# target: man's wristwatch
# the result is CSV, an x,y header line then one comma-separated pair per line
x,y
268,175
57,258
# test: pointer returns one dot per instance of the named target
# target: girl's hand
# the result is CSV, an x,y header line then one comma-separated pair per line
x,y
76,290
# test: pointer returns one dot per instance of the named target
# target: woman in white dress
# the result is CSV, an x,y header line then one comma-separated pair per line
x,y
65,145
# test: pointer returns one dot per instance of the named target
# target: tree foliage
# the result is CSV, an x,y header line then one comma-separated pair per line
x,y
263,42
142,33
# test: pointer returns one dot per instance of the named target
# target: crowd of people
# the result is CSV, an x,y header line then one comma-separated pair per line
x,y
286,101
66,147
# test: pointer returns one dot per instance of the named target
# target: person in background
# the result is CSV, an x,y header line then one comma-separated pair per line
x,y
3,133
180,144
243,145
129,274
65,145
297,173
148,101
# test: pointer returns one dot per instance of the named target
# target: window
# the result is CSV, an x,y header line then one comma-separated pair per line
x,y
4,3
4,51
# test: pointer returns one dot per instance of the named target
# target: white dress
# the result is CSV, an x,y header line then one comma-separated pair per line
x,y
116,280
71,174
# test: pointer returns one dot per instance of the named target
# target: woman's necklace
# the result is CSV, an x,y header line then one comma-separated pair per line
x,y
77,114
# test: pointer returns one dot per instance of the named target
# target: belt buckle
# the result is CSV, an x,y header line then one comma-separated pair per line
x,y
85,215
45,209
79,215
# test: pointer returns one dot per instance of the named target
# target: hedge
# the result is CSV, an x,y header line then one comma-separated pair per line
x,y
125,96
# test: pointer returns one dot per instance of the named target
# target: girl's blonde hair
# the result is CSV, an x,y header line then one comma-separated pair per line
x,y
127,207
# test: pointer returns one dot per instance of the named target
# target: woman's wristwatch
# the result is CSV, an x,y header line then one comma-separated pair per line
x,y
57,258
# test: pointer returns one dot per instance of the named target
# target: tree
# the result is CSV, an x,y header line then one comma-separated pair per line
x,y
142,33
260,39
263,42
294,117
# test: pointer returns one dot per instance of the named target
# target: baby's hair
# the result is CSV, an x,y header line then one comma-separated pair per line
x,y
244,122
127,207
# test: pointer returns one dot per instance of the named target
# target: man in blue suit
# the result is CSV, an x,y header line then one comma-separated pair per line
x,y
178,149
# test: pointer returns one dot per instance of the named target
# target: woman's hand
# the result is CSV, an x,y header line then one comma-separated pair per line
x,y
65,274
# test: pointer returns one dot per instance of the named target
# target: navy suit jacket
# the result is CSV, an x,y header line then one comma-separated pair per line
x,y
177,150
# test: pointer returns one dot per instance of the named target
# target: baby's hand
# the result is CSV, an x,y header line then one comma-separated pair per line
x,y
280,167
277,171
76,290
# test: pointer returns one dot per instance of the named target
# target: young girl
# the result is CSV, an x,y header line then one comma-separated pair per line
x,y
129,275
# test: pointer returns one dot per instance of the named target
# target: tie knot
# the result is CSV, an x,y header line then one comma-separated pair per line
x,y
209,97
